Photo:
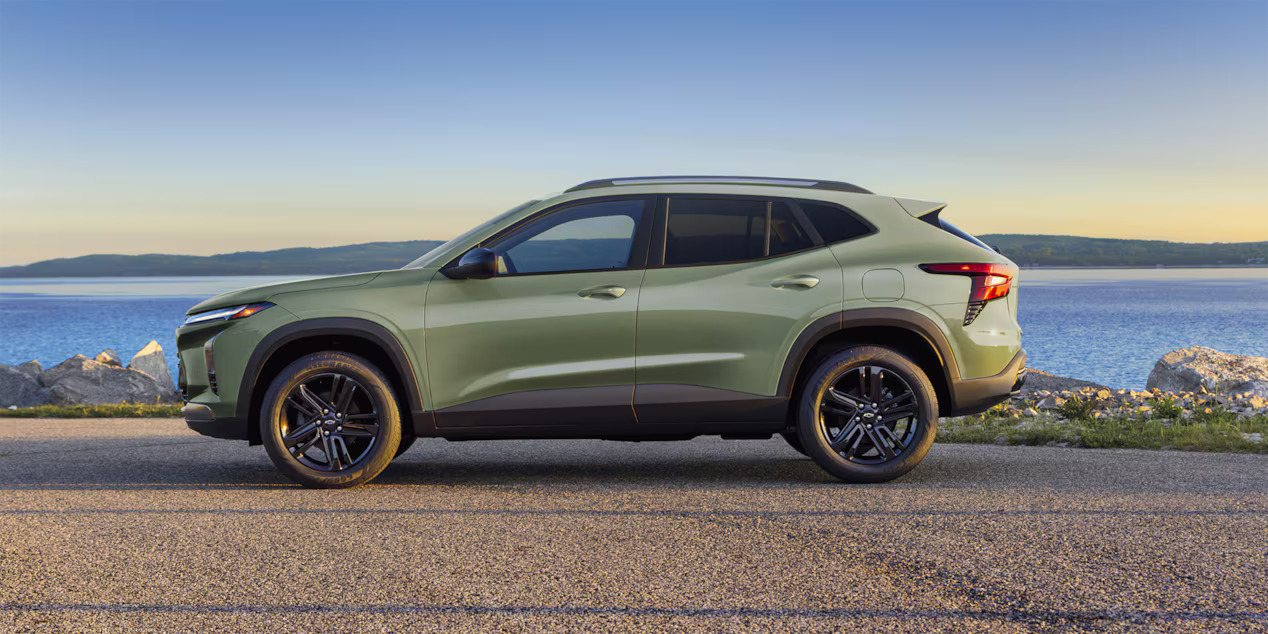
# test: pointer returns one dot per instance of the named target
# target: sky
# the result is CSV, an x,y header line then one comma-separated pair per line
x,y
152,126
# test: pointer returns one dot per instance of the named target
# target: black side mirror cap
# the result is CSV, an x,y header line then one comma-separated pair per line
x,y
476,264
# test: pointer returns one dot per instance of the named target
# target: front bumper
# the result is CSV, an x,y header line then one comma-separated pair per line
x,y
201,419
971,396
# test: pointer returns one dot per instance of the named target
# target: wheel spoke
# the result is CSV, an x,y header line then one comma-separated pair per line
x,y
844,436
312,399
341,450
858,438
880,445
332,458
844,399
299,451
296,436
874,392
344,398
891,437
897,401
898,414
303,407
359,431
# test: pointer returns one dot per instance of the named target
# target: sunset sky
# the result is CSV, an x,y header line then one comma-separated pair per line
x,y
211,127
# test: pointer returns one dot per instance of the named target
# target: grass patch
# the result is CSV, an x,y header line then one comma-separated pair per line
x,y
1218,431
118,410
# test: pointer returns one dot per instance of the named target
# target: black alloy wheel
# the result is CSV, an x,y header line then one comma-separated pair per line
x,y
867,414
330,420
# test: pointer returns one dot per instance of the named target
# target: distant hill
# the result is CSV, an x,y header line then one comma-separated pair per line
x,y
1045,250
1027,250
355,258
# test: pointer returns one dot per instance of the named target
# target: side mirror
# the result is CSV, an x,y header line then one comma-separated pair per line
x,y
476,264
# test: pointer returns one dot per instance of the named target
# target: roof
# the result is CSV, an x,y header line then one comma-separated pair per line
x,y
722,180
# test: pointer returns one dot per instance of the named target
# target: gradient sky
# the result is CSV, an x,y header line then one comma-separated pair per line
x,y
210,127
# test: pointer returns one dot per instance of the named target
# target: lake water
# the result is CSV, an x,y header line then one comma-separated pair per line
x,y
1103,325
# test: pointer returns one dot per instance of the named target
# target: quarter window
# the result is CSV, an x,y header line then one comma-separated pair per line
x,y
714,230
587,237
833,223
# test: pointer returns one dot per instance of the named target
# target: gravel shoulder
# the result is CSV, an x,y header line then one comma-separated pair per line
x,y
139,523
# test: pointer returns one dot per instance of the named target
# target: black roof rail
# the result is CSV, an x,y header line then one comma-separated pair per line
x,y
729,180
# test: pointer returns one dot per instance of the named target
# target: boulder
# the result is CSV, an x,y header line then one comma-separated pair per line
x,y
19,389
150,360
1038,380
31,368
80,380
1200,369
109,357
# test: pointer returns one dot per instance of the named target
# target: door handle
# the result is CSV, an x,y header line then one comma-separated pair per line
x,y
795,281
602,292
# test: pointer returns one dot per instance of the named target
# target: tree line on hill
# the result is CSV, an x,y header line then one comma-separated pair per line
x,y
1026,250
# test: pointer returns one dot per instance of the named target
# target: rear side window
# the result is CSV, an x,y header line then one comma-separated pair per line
x,y
715,230
833,223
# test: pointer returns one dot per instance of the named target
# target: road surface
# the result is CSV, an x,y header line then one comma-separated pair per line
x,y
125,524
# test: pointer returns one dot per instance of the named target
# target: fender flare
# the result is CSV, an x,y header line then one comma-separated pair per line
x,y
862,317
329,326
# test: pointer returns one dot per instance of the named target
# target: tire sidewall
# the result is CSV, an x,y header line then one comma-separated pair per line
x,y
826,373
272,413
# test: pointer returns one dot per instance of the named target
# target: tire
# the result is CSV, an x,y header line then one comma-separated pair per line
x,y
346,405
877,422
794,441
406,443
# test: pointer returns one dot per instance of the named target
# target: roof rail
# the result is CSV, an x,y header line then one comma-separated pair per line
x,y
727,180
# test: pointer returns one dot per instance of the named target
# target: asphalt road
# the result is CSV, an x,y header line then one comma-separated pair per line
x,y
127,524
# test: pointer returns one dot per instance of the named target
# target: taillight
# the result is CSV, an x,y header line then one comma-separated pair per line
x,y
990,281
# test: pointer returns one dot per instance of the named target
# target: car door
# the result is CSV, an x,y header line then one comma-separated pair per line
x,y
549,340
730,284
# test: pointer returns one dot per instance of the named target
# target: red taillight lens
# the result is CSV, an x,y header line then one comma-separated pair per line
x,y
990,281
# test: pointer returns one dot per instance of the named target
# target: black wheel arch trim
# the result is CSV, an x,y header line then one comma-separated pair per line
x,y
967,396
331,326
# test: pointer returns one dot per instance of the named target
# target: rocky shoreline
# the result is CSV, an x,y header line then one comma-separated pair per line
x,y
101,380
1183,383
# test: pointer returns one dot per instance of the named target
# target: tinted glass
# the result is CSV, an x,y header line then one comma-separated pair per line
x,y
587,237
833,223
786,234
703,231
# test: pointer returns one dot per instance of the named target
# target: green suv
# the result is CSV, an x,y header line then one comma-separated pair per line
x,y
657,308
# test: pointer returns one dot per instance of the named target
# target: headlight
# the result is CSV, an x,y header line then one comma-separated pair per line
x,y
226,314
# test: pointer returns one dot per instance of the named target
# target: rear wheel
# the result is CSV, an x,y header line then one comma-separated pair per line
x,y
867,414
406,443
330,420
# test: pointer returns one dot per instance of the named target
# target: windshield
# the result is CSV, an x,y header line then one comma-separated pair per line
x,y
427,258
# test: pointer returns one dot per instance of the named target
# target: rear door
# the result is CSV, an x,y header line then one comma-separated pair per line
x,y
731,282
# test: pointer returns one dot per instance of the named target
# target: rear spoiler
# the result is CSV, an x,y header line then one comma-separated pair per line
x,y
922,209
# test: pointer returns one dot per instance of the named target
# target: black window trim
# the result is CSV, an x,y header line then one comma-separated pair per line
x,y
871,228
660,234
638,249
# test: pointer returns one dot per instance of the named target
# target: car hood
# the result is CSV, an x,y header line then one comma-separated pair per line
x,y
253,294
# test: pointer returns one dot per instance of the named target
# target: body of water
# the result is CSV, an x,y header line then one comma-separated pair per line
x,y
1103,325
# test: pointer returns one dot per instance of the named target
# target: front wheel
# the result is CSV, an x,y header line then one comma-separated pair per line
x,y
330,421
867,414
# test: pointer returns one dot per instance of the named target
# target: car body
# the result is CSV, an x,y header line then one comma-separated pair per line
x,y
630,309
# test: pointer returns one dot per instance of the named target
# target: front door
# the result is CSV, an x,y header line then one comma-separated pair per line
x,y
549,341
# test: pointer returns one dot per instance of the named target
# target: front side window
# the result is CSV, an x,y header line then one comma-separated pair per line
x,y
586,237
716,230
